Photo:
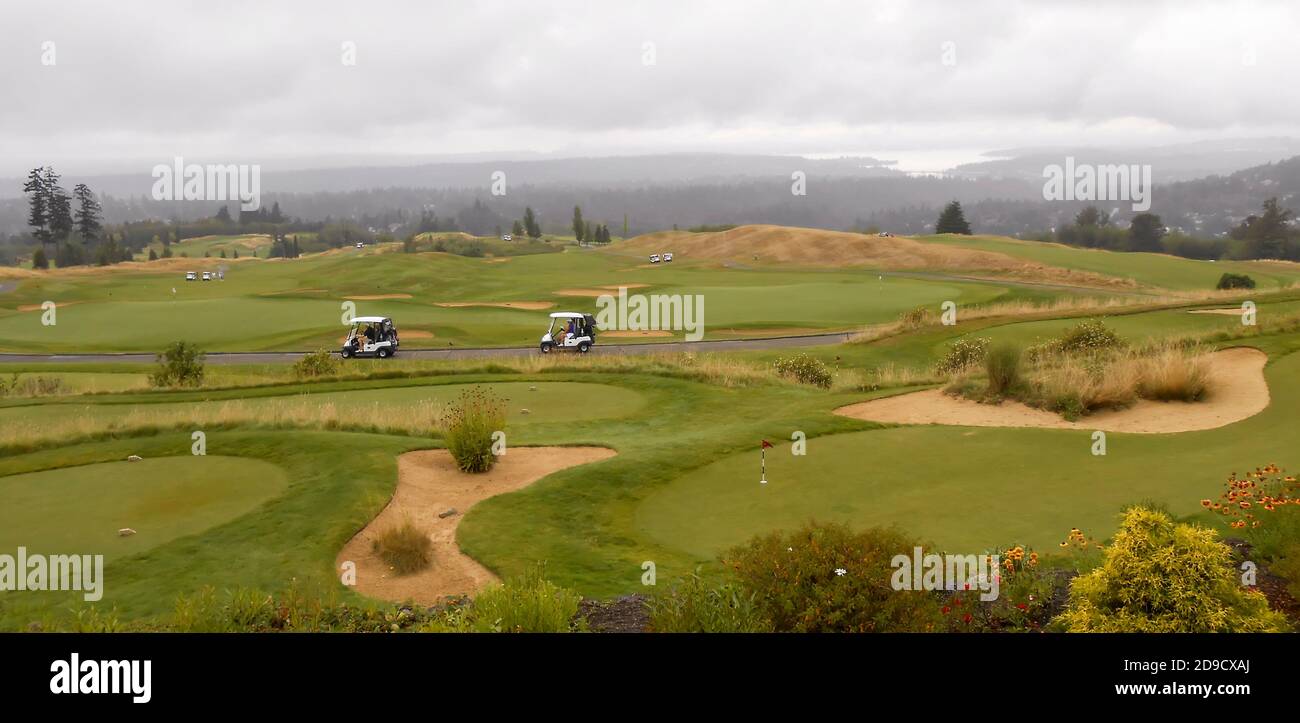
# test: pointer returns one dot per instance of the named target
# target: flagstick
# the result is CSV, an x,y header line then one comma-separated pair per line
x,y
763,465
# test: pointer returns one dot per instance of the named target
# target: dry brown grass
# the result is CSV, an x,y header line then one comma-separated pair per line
x,y
792,246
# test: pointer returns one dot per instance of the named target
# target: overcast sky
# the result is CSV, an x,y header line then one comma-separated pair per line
x,y
145,81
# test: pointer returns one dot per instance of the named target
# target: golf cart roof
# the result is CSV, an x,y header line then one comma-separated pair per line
x,y
567,315
369,319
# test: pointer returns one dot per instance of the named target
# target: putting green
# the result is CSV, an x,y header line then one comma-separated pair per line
x,y
78,510
969,489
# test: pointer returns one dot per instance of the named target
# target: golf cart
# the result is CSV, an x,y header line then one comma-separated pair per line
x,y
583,336
370,336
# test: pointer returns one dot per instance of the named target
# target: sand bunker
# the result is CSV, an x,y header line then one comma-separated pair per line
x,y
1235,311
526,305
376,297
1238,391
416,334
293,291
635,334
428,484
611,290
771,331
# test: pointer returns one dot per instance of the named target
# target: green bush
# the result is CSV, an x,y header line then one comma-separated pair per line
x,y
805,369
693,606
1086,337
319,363
30,386
1159,576
1235,281
1002,364
468,426
827,578
405,548
963,354
180,365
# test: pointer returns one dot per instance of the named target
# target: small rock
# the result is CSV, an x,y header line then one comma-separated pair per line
x,y
524,411
532,388
447,513
134,458
125,532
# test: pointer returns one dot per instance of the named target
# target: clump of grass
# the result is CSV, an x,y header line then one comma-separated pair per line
x,y
468,429
694,606
405,548
526,604
1002,364
1173,374
319,363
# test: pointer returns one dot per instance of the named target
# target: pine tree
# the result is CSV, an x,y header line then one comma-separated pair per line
x,y
39,261
517,230
59,206
579,228
952,220
88,212
531,226
153,255
38,213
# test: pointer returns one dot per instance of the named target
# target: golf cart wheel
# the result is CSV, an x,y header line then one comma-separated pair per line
x,y
584,347
346,353
546,347
383,353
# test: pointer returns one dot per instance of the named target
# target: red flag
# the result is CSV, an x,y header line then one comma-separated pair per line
x,y
766,444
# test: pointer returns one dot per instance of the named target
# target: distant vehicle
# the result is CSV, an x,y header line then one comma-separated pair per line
x,y
654,258
207,275
507,237
191,276
583,336
885,234
370,336
360,245
668,258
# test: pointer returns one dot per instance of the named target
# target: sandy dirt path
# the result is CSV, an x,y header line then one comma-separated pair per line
x,y
1238,391
429,484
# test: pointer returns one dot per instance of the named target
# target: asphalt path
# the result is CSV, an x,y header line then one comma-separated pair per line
x,y
287,357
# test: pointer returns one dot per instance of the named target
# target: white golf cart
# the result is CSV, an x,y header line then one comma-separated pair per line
x,y
370,336
576,332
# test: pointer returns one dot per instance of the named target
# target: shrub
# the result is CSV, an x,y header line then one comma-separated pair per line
x,y
468,426
805,369
827,578
319,363
405,548
180,365
1235,281
526,604
693,606
963,354
1159,576
30,386
1002,364
1172,374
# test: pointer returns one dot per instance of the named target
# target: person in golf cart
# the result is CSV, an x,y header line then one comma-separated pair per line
x,y
370,336
576,332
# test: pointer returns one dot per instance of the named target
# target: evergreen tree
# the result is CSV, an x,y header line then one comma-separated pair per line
x,y
1145,232
952,220
153,255
517,230
38,213
88,212
59,206
531,225
39,261
579,228
223,215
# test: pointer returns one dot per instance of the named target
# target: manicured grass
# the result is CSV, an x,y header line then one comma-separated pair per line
x,y
298,304
969,489
1169,272
161,499
526,402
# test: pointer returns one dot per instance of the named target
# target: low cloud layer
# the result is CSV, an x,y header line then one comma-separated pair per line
x,y
145,81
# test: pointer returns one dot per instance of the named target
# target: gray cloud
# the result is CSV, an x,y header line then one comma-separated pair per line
x,y
256,81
